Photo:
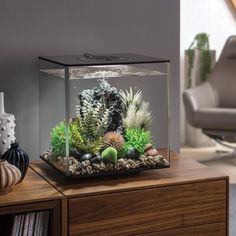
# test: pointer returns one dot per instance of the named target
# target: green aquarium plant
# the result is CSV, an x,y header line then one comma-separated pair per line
x,y
83,143
58,139
136,112
137,138
89,128
93,120
201,43
109,155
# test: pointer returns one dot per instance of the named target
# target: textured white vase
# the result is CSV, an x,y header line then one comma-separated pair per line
x,y
7,127
9,176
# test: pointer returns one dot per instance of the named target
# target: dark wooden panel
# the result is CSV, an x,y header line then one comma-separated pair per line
x,y
148,210
217,229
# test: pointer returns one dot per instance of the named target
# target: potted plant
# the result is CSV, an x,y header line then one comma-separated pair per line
x,y
199,60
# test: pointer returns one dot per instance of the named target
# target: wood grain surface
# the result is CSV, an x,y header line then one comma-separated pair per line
x,y
217,229
143,211
186,199
32,189
181,171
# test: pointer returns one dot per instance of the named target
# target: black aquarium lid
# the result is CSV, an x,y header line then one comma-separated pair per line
x,y
102,59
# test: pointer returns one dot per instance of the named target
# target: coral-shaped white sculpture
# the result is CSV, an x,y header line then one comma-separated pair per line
x,y
7,127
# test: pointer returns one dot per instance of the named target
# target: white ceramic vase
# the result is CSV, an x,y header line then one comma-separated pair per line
x,y
9,176
7,127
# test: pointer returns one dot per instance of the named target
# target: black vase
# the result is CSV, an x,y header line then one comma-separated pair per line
x,y
17,157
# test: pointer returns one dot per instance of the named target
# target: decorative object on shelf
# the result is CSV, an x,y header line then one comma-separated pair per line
x,y
9,176
107,122
7,127
17,157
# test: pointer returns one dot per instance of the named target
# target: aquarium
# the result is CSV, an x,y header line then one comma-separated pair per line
x,y
105,114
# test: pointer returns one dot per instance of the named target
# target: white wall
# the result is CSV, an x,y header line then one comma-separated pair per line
x,y
216,18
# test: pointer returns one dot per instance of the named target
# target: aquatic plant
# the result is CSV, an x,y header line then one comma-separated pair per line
x,y
93,120
109,155
131,99
114,139
89,128
58,139
109,97
137,138
136,112
82,143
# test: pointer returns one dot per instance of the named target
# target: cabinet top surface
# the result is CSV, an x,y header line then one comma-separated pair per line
x,y
182,171
101,59
32,189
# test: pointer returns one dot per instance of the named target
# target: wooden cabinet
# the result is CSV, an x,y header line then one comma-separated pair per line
x,y
186,199
143,211
33,194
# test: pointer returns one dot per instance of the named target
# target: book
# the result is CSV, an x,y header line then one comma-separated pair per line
x,y
46,223
36,225
22,220
31,224
26,225
16,225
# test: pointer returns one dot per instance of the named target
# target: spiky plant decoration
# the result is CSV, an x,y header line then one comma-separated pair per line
x,y
94,120
129,99
89,128
114,139
82,143
136,111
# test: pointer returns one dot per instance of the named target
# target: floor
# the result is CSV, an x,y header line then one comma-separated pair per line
x,y
224,164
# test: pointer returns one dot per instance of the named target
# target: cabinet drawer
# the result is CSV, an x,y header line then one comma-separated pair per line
x,y
217,229
148,210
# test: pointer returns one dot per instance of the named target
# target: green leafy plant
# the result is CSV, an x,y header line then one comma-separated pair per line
x,y
93,120
137,138
136,111
82,143
58,139
201,43
90,126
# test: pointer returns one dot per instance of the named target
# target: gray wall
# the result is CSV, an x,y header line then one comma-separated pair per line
x,y
31,28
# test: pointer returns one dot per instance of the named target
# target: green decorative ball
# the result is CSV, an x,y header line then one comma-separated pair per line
x,y
109,155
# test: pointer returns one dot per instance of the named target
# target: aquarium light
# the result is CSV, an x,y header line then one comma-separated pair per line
x,y
103,71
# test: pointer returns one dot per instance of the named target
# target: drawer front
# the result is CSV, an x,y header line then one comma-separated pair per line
x,y
149,210
217,229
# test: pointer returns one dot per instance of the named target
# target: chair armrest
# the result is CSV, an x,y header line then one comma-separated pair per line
x,y
203,96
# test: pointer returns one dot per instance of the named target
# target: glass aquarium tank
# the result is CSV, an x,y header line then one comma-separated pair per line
x,y
105,114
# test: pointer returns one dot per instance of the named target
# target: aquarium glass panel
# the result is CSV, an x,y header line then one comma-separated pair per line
x,y
104,114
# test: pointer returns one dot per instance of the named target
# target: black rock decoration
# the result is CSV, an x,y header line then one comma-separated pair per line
x,y
96,159
17,157
86,157
133,153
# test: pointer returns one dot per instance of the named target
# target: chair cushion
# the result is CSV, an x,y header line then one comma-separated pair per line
x,y
216,118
